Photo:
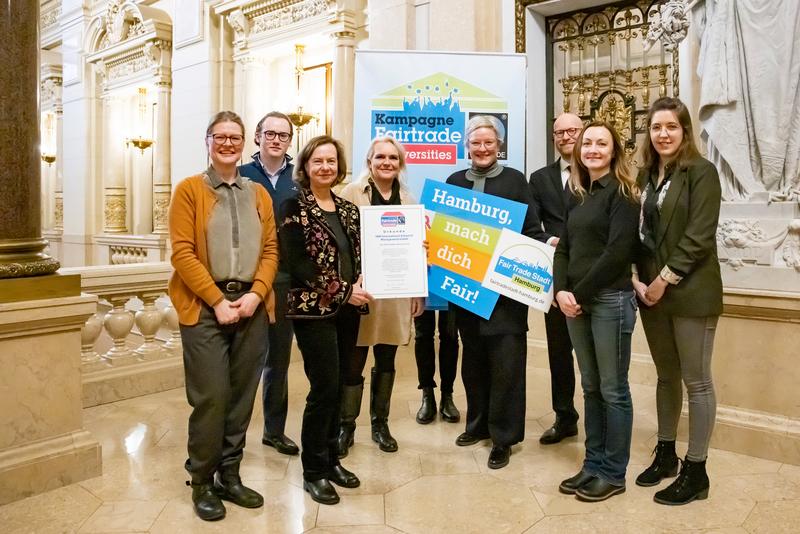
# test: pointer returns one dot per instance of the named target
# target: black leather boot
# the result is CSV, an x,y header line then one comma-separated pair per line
x,y
448,409
427,411
691,484
348,413
665,465
228,486
207,504
379,401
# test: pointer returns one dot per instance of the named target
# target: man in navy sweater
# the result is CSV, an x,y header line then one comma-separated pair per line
x,y
272,168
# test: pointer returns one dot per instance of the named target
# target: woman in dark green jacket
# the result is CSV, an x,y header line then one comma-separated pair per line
x,y
679,284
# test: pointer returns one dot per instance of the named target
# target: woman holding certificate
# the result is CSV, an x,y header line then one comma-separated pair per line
x,y
320,246
592,285
495,350
389,322
679,283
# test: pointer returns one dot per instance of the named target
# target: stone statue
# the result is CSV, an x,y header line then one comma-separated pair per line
x,y
749,67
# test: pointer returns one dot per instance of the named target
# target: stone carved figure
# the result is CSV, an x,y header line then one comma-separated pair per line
x,y
749,67
672,25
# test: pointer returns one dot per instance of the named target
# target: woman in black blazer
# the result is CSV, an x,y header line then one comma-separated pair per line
x,y
680,286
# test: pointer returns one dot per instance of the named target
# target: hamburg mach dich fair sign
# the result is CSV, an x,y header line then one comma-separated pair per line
x,y
476,251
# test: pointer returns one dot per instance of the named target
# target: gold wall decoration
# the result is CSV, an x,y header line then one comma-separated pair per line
x,y
160,212
598,65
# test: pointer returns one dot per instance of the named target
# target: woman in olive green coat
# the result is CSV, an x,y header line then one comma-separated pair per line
x,y
680,287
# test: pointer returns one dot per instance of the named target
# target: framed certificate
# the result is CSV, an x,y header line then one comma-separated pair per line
x,y
393,258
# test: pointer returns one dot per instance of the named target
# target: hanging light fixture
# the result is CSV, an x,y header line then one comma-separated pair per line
x,y
299,117
49,138
140,141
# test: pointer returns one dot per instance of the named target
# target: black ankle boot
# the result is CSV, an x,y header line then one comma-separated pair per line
x,y
349,410
228,486
665,465
427,411
691,484
448,409
207,504
380,399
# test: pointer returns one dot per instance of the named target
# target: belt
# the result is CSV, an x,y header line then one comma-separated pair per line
x,y
234,286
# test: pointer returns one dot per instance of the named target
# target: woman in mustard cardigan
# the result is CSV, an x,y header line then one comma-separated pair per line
x,y
225,255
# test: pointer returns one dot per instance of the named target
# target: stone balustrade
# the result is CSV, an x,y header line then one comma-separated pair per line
x,y
131,346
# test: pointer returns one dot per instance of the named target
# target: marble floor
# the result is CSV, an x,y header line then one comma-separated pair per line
x,y
428,486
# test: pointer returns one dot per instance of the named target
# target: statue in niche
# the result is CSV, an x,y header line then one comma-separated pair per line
x,y
749,68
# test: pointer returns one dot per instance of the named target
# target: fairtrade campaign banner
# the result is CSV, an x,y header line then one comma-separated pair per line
x,y
425,99
465,229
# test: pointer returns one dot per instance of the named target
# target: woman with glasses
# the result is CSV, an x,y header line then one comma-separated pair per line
x,y
388,323
679,283
225,255
495,349
592,285
321,248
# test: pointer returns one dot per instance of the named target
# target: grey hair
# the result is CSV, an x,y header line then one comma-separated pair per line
x,y
484,121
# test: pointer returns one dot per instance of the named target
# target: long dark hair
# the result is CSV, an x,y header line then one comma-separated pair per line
x,y
687,151
620,165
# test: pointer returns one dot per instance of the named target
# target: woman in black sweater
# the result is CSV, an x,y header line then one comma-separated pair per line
x,y
592,271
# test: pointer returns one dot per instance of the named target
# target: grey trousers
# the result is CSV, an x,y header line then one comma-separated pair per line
x,y
681,348
275,393
222,364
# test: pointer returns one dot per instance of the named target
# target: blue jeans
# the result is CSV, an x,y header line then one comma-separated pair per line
x,y
601,336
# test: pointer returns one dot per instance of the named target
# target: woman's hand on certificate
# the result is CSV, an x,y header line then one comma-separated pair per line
x,y
359,296
417,306
567,303
427,248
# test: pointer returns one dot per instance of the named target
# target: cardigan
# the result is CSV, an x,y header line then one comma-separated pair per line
x,y
309,252
191,284
389,320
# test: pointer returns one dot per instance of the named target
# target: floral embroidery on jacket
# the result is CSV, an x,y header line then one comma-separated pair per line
x,y
308,247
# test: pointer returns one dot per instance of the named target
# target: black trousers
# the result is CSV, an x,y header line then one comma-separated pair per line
x,y
325,345
562,367
493,371
275,391
425,352
222,364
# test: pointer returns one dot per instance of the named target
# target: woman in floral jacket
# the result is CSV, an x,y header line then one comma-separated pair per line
x,y
320,248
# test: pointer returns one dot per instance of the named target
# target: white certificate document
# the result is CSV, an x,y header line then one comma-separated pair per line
x,y
393,259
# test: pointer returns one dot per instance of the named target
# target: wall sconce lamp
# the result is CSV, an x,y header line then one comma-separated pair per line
x,y
140,141
299,117
49,139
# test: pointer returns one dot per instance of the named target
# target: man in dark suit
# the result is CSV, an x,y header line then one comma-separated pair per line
x,y
272,168
548,187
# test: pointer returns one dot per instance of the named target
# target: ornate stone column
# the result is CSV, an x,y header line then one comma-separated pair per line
x,y
115,210
21,243
162,187
344,87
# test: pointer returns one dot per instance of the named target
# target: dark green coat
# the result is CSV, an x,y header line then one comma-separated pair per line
x,y
686,241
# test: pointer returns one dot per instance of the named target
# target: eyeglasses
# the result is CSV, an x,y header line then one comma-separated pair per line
x,y
566,131
220,139
269,135
478,144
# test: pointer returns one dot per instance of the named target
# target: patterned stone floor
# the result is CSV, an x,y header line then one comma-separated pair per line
x,y
428,486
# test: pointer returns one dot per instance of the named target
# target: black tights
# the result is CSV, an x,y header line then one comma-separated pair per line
x,y
384,362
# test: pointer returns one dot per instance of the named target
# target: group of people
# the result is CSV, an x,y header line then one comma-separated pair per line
x,y
266,251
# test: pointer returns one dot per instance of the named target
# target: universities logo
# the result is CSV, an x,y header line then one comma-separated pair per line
x,y
390,219
428,117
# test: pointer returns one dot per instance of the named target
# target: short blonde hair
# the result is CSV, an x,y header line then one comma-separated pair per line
x,y
484,121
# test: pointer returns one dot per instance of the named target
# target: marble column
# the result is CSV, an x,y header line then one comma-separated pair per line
x,y
115,208
21,243
162,187
344,88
